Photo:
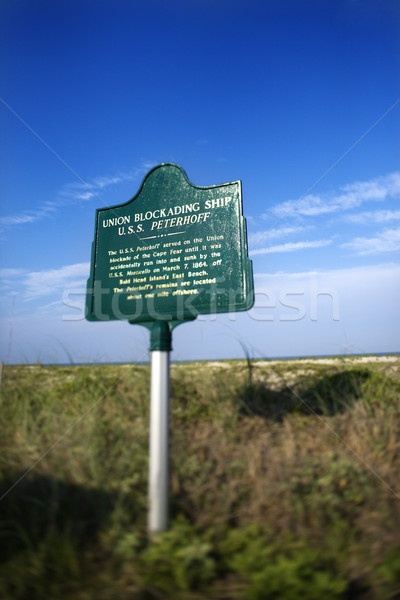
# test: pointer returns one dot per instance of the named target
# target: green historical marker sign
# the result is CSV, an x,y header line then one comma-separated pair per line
x,y
175,250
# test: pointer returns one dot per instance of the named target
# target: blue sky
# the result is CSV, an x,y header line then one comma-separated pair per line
x,y
299,100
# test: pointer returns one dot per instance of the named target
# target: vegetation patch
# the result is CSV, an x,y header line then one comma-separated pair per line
x,y
284,482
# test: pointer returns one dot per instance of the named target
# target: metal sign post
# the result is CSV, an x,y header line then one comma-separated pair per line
x,y
157,521
172,252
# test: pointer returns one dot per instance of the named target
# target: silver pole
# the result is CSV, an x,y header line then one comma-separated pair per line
x,y
159,438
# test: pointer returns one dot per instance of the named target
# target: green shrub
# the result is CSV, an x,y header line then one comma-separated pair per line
x,y
272,573
178,560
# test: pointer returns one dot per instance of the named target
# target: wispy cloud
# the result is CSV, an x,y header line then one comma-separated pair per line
x,y
9,279
77,191
387,241
9,273
291,247
341,279
348,197
72,193
272,234
44,283
39,284
28,216
374,216
18,219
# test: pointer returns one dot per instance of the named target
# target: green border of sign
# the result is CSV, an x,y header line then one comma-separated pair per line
x,y
175,178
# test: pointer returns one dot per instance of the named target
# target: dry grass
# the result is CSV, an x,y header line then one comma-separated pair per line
x,y
284,482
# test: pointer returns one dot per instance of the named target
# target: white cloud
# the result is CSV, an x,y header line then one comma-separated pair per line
x,y
7,273
291,247
86,191
18,219
28,217
9,281
76,195
349,196
374,216
274,233
375,189
72,193
102,182
387,241
44,283
359,275
47,293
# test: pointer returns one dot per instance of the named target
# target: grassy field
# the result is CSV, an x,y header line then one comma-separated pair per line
x,y
284,482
